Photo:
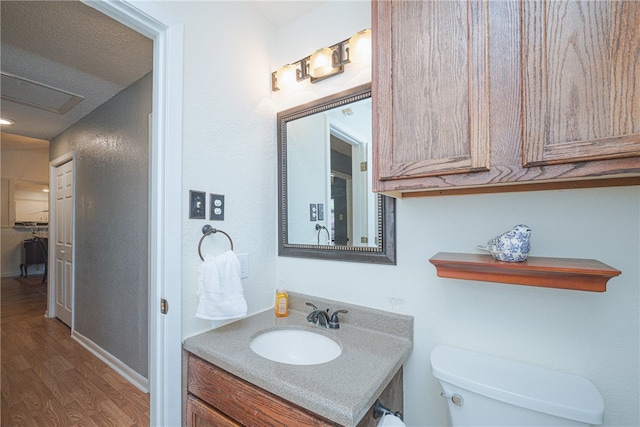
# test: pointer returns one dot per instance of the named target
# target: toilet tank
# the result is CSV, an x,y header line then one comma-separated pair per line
x,y
497,392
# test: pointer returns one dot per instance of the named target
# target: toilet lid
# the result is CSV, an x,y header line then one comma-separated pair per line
x,y
550,392
389,420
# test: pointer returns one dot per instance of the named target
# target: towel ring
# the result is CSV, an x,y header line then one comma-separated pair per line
x,y
208,230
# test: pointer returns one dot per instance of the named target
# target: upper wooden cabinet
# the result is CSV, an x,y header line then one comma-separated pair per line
x,y
580,80
471,94
432,88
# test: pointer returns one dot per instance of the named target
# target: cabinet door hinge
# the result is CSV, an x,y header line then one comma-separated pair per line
x,y
164,306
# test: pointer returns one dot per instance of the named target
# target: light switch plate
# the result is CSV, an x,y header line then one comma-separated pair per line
x,y
197,204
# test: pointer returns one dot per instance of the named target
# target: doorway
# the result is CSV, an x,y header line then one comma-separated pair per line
x,y
164,224
348,187
165,346
165,341
101,246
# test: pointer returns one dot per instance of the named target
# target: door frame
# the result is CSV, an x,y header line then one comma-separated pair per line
x,y
165,186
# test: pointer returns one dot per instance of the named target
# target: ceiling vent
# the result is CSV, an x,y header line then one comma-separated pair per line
x,y
37,95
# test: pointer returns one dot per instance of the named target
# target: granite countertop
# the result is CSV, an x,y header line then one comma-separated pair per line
x,y
375,344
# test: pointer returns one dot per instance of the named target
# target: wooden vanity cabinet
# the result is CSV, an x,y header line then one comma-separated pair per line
x,y
217,398
471,94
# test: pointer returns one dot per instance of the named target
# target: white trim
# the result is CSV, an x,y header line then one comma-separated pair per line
x,y
113,362
165,239
343,132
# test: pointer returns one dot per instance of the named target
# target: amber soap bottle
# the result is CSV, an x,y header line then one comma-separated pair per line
x,y
282,303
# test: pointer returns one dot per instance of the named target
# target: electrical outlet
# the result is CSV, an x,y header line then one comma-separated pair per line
x,y
244,265
313,212
320,212
217,207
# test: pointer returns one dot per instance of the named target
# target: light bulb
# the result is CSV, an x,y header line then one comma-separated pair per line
x,y
286,76
321,62
360,47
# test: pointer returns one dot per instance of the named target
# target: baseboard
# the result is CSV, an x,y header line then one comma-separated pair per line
x,y
19,273
113,362
11,274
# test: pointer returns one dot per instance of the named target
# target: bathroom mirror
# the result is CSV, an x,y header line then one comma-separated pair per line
x,y
327,207
28,203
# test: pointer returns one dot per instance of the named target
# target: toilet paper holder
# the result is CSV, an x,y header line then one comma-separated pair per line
x,y
380,410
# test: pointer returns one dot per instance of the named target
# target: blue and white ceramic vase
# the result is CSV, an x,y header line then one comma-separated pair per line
x,y
512,246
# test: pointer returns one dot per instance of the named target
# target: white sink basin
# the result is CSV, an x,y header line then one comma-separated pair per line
x,y
295,347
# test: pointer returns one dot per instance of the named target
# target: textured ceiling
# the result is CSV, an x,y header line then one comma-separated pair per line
x,y
69,46
281,12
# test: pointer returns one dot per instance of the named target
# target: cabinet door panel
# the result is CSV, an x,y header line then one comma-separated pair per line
x,y
581,80
199,414
243,402
432,110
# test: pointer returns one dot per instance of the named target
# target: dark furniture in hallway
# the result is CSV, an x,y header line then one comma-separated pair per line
x,y
36,251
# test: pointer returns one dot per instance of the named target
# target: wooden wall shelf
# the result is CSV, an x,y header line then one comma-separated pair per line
x,y
563,273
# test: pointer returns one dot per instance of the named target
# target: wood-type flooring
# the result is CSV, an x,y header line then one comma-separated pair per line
x,y
48,379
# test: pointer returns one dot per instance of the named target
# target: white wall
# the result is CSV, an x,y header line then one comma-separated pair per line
x,y
595,335
306,184
228,143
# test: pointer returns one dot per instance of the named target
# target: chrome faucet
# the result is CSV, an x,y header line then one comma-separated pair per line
x,y
321,317
318,317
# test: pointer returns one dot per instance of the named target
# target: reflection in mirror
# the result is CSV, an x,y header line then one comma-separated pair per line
x,y
31,203
327,207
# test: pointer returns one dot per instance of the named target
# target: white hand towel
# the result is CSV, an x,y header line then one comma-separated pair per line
x,y
220,288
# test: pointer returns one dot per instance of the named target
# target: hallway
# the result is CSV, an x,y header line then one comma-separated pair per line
x,y
48,379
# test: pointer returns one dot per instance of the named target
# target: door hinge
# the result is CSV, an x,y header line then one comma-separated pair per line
x,y
363,166
164,306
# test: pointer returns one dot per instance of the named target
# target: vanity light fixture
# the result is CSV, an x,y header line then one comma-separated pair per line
x,y
286,76
6,122
321,63
325,62
360,47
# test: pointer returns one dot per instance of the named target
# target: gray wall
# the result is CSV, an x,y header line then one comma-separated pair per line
x,y
111,240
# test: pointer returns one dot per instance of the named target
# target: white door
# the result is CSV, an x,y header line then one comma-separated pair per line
x,y
63,223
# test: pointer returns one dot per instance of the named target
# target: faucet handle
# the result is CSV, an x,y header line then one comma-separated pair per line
x,y
334,323
313,316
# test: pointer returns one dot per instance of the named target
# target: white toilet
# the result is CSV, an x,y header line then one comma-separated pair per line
x,y
487,391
